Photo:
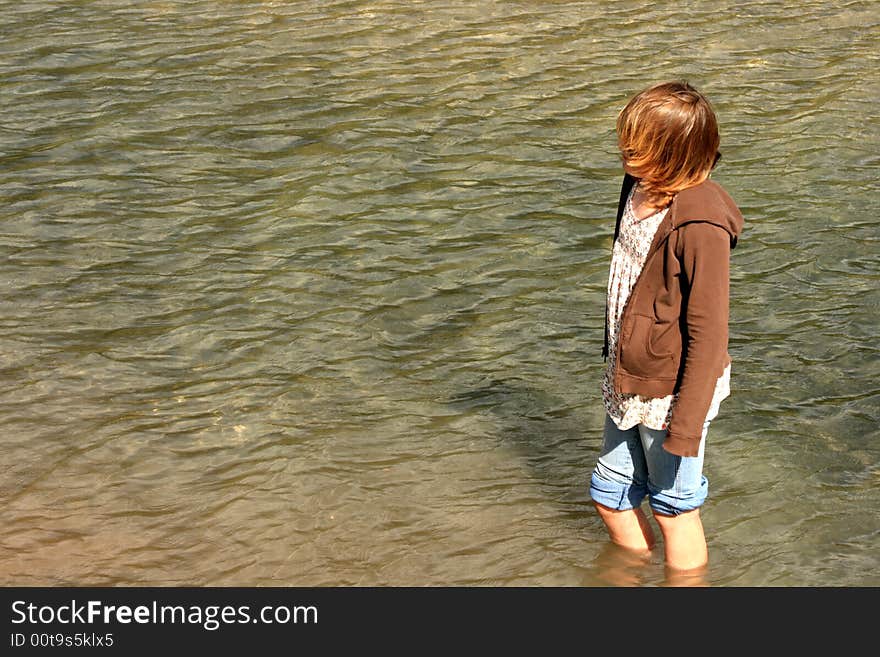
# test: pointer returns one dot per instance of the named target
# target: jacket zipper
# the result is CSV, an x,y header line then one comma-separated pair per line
x,y
651,254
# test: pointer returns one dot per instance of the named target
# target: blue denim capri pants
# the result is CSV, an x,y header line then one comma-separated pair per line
x,y
633,465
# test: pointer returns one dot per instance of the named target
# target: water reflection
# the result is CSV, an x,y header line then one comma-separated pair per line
x,y
618,566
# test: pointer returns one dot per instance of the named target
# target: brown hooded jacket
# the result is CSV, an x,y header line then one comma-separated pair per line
x,y
674,328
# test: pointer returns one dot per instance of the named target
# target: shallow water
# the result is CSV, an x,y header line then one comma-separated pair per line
x,y
311,293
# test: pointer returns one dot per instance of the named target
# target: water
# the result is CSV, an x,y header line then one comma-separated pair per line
x,y
310,293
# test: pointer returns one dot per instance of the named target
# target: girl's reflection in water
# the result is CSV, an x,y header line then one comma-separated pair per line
x,y
618,566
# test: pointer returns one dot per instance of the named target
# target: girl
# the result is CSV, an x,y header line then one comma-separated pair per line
x,y
666,323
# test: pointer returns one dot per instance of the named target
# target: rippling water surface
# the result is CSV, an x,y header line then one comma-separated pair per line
x,y
311,293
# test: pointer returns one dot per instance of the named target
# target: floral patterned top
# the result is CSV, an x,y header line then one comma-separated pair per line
x,y
627,259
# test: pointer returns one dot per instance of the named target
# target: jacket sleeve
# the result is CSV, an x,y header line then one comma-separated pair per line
x,y
705,263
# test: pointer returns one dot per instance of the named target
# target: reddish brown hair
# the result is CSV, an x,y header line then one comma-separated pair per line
x,y
668,138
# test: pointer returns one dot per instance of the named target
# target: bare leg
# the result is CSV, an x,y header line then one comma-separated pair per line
x,y
629,529
686,578
619,566
683,540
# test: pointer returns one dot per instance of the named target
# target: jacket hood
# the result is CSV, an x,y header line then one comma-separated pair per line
x,y
707,202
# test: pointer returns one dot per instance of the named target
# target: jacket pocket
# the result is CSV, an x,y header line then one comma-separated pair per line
x,y
652,349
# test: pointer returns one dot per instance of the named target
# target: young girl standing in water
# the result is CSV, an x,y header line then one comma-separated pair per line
x,y
668,368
